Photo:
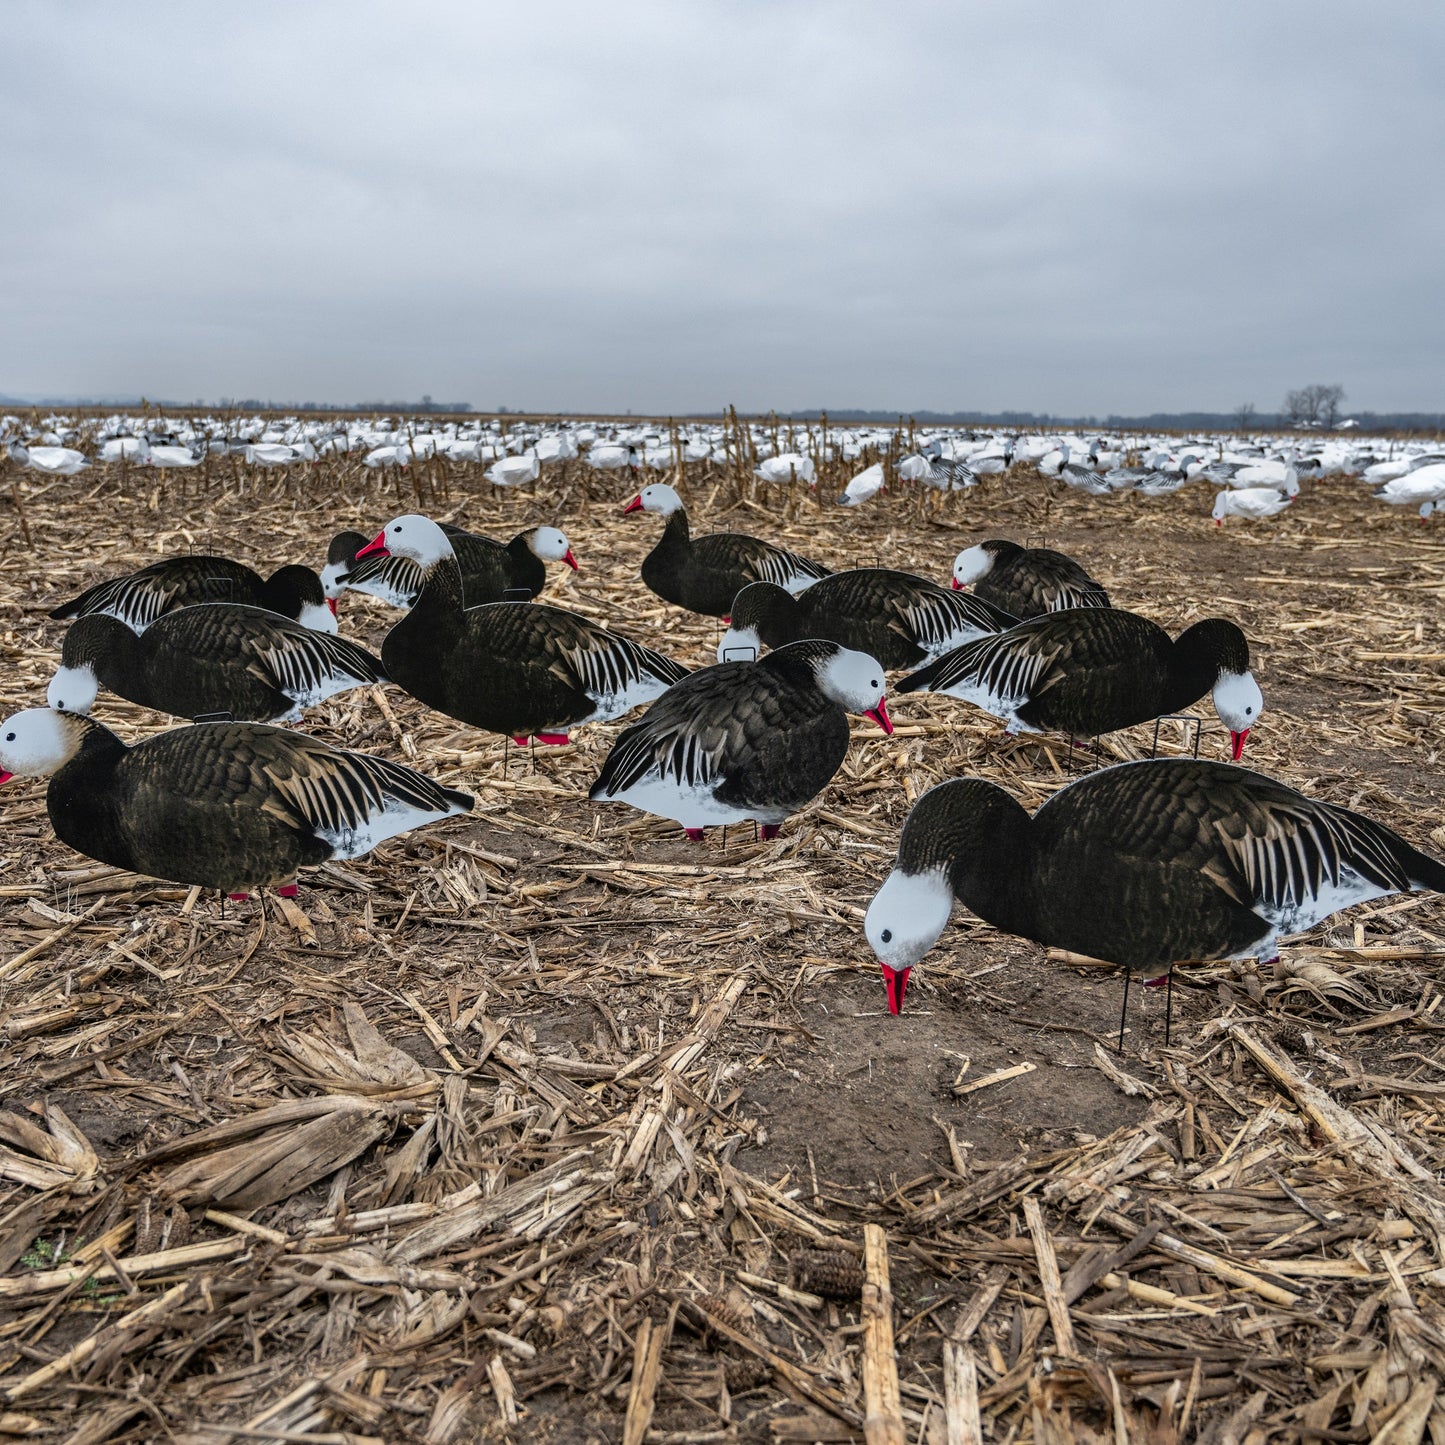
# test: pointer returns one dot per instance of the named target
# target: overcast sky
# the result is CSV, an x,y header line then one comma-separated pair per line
x,y
1051,206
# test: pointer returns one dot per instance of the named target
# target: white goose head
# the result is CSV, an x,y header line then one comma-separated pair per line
x,y
855,681
411,535
971,564
550,544
658,497
38,741
73,689
903,922
1239,702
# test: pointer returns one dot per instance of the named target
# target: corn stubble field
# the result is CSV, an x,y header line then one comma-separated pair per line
x,y
545,1124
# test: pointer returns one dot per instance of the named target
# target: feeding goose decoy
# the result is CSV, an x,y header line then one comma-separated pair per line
x,y
1252,502
214,658
140,597
1025,581
1095,670
235,806
512,571
704,574
517,668
898,618
745,739
1140,865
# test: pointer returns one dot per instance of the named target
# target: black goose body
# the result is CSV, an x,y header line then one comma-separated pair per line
x,y
1026,582
1094,670
140,597
246,662
236,806
1141,865
491,571
898,618
704,574
744,739
510,667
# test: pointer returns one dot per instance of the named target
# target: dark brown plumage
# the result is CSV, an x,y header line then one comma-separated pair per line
x,y
140,597
894,616
215,658
235,806
1026,582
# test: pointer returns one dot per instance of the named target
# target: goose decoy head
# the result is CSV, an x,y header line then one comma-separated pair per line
x,y
410,535
340,558
1239,702
903,922
38,741
659,498
855,681
550,544
971,564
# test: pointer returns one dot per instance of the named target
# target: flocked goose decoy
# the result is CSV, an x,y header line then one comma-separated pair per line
x,y
1141,865
521,669
215,658
704,574
1025,581
140,597
745,739
1097,669
512,571
235,806
898,618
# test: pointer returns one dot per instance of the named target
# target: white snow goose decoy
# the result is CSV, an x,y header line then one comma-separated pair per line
x,y
1140,865
139,598
512,571
235,806
517,668
211,659
1025,581
898,618
1252,502
1095,670
1424,487
704,574
745,739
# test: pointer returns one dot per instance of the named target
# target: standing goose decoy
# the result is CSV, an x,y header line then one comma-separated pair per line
x,y
1139,865
517,668
213,658
898,618
705,574
139,598
491,571
745,739
1026,582
1095,670
235,806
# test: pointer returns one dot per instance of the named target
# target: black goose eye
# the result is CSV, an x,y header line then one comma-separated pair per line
x,y
874,683
887,935
9,737
1249,712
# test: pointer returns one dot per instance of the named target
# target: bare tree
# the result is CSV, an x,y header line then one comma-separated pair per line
x,y
1244,416
1299,406
1316,405
1328,402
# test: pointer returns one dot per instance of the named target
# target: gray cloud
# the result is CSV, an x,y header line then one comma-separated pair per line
x,y
1125,207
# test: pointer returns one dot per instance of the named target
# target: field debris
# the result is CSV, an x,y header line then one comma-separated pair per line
x,y
548,1125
